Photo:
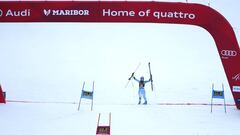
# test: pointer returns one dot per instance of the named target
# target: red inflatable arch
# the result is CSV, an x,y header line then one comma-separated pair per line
x,y
136,12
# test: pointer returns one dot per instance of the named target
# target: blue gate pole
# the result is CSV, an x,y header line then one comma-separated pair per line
x,y
212,97
92,96
81,96
224,99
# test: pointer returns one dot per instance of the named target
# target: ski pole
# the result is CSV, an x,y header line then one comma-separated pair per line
x,y
132,75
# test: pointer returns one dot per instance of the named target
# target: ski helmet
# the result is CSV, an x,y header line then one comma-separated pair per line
x,y
142,78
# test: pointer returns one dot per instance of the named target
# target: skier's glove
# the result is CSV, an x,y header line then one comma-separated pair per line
x,y
131,76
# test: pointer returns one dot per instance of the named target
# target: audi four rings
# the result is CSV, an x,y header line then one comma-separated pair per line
x,y
229,53
1,12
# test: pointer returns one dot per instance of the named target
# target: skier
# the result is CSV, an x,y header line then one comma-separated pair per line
x,y
141,91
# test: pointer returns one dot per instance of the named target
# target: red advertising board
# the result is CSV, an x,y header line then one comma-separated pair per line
x,y
136,12
2,96
104,130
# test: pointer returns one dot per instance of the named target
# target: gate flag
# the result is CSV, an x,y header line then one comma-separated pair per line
x,y
218,94
87,95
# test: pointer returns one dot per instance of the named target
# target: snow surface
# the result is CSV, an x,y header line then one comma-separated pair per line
x,y
45,65
49,69
64,119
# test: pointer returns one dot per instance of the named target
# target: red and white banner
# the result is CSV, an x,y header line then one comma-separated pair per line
x,y
137,12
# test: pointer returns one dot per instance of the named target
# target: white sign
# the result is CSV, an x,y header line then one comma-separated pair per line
x,y
236,88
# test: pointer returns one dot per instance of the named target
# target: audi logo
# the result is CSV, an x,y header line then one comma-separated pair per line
x,y
1,12
229,53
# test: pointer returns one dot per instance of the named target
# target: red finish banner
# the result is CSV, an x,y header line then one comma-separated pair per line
x,y
136,12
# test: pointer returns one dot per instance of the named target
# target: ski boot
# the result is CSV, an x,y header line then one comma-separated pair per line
x,y
139,102
145,103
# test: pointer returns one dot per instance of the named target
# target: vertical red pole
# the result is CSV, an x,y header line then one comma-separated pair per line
x,y
98,124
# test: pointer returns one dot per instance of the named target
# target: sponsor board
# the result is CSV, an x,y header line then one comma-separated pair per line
x,y
236,88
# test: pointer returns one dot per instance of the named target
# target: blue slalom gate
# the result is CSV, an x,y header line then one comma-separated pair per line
x,y
218,94
86,95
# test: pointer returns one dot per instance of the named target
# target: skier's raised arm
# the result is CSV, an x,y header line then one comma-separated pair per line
x,y
136,79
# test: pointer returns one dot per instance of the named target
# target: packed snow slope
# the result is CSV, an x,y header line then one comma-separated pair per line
x,y
44,65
